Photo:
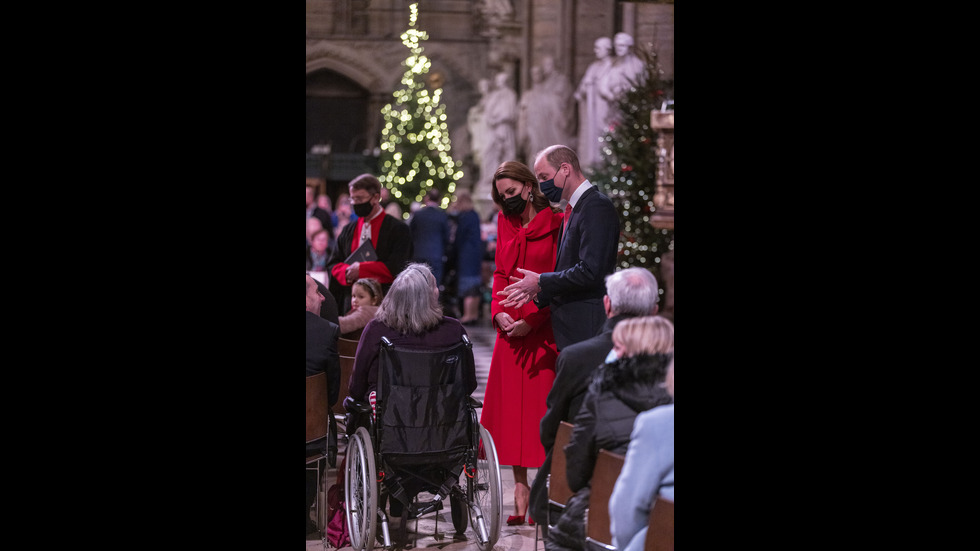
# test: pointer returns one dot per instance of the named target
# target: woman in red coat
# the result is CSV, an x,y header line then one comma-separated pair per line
x,y
523,365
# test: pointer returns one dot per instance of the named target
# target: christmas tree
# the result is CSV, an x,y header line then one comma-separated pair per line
x,y
628,171
416,149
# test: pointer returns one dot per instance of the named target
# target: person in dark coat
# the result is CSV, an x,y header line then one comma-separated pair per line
x,y
390,237
321,356
630,293
587,248
620,390
430,234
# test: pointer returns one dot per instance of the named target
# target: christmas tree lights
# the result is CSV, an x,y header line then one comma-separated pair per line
x,y
416,149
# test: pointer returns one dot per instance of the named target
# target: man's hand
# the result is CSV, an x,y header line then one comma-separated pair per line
x,y
520,291
352,272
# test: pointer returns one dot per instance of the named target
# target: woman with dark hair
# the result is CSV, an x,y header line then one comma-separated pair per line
x,y
522,368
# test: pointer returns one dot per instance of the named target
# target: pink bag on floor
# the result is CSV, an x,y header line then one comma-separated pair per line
x,y
337,532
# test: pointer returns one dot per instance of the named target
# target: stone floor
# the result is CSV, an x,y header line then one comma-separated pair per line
x,y
426,534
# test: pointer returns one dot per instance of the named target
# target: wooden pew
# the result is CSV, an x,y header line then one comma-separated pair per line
x,y
607,468
660,529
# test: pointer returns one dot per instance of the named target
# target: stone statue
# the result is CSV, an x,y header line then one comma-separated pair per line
x,y
627,70
593,110
559,85
476,123
541,112
498,8
500,142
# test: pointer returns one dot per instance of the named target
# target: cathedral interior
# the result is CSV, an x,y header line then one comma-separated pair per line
x,y
354,57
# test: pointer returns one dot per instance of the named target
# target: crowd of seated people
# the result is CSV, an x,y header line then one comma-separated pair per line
x,y
630,383
627,408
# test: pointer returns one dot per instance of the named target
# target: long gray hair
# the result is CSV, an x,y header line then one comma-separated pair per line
x,y
412,303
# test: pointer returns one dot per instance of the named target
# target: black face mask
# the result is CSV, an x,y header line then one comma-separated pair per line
x,y
514,205
363,209
552,192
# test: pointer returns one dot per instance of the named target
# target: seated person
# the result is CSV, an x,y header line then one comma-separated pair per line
x,y
647,472
365,297
321,356
410,316
631,384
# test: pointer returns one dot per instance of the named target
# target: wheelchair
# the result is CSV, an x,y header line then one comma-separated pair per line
x,y
426,437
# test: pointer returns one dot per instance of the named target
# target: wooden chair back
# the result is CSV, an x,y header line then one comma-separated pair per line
x,y
317,408
346,367
607,468
558,490
346,347
660,531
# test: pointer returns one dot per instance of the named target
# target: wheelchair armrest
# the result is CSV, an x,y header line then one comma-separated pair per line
x,y
355,406
473,402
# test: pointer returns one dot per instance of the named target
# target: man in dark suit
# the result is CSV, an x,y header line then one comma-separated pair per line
x,y
630,293
328,308
321,355
390,237
430,233
587,247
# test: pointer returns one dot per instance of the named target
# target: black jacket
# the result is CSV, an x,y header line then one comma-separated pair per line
x,y
573,372
321,352
618,393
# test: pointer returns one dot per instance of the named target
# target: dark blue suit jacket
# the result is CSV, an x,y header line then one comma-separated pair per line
x,y
587,251
321,352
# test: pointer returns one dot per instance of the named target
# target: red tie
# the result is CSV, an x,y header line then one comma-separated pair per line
x,y
568,212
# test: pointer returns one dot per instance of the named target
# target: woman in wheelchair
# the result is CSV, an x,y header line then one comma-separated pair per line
x,y
410,315
410,318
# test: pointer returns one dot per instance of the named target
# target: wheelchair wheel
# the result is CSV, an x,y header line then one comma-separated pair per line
x,y
361,491
486,495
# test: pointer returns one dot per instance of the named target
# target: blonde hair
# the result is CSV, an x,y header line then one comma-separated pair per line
x,y
645,335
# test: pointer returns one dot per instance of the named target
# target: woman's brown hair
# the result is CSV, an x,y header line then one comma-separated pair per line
x,y
521,173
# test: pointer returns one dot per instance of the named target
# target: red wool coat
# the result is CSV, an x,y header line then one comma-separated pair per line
x,y
522,369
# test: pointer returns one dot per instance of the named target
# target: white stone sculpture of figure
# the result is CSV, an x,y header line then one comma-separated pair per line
x,y
476,122
540,111
627,70
500,8
593,110
501,138
559,85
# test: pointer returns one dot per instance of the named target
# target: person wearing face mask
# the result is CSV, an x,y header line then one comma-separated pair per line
x,y
391,238
630,293
587,248
522,367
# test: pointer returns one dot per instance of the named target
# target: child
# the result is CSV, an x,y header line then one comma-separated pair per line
x,y
366,295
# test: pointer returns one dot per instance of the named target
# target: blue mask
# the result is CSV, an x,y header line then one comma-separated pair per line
x,y
550,191
611,357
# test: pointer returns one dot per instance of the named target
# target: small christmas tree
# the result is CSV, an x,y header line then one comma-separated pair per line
x,y
416,149
628,171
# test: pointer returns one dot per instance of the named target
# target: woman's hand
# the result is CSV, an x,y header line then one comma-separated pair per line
x,y
518,329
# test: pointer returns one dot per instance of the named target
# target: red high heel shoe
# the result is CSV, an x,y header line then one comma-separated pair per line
x,y
517,520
